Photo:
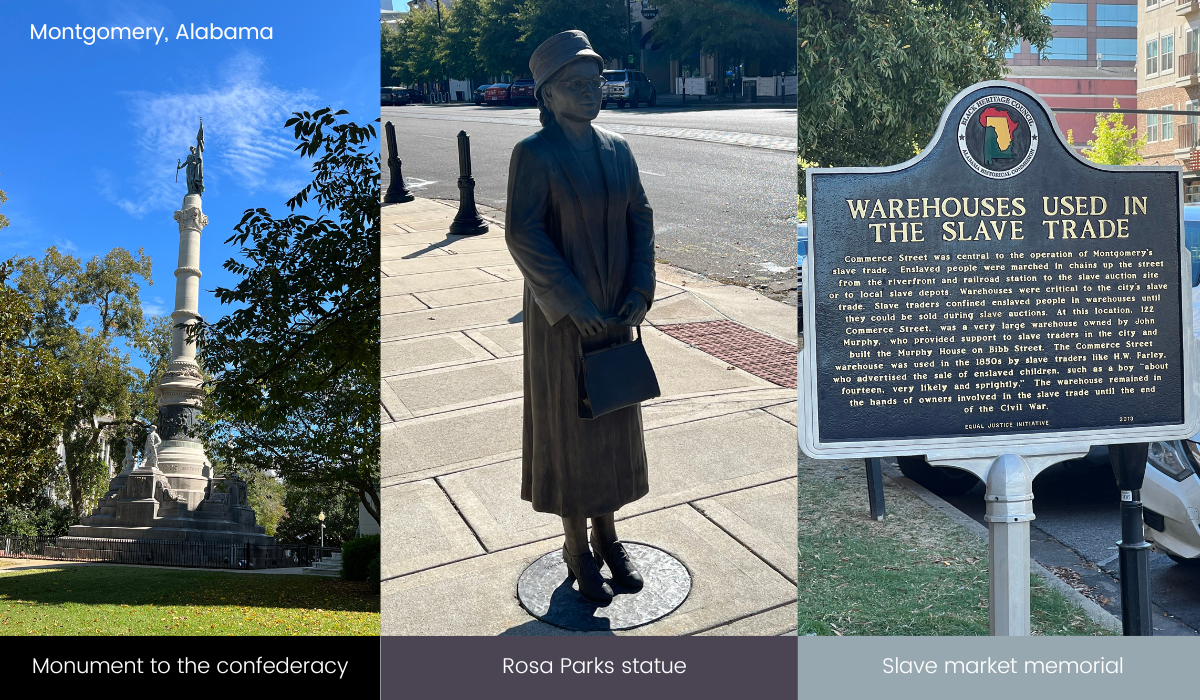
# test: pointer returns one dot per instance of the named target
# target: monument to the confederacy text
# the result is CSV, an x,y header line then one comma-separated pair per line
x,y
174,495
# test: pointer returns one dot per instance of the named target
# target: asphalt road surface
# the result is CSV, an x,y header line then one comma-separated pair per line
x,y
722,181
1077,505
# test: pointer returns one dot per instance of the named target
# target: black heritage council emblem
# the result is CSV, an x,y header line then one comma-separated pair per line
x,y
997,137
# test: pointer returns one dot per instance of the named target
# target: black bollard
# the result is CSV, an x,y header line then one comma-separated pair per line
x,y
396,191
468,222
1129,466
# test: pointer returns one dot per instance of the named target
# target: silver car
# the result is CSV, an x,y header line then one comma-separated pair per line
x,y
628,87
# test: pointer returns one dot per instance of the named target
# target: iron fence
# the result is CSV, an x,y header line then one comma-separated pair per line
x,y
209,555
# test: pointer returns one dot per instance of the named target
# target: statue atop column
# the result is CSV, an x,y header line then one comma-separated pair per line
x,y
194,164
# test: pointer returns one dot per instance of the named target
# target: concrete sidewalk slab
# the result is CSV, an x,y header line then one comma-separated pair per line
x,y
751,517
412,324
478,596
463,386
721,444
429,352
421,529
466,295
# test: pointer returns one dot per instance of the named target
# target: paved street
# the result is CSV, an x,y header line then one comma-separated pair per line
x,y
721,442
722,181
1078,524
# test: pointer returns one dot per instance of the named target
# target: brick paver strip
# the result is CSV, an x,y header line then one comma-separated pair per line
x,y
733,138
748,350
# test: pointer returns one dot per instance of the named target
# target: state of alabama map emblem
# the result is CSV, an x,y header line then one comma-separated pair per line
x,y
997,137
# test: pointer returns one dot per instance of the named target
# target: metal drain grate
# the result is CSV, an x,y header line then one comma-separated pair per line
x,y
748,350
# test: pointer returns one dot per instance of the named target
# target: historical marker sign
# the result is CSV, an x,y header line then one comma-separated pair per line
x,y
996,292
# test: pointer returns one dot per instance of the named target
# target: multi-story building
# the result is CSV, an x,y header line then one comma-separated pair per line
x,y
1090,61
1168,79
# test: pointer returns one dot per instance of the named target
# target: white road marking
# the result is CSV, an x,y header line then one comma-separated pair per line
x,y
651,173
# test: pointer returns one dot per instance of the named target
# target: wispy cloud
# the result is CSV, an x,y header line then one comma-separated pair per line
x,y
244,139
155,307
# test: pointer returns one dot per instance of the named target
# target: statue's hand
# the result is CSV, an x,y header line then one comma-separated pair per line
x,y
634,309
587,318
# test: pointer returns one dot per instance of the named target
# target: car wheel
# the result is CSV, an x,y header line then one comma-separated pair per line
x,y
603,104
944,481
653,98
621,104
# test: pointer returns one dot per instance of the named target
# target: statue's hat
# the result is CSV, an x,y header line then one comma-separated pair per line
x,y
558,51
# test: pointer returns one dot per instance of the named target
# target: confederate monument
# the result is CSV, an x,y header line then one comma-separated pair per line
x,y
174,495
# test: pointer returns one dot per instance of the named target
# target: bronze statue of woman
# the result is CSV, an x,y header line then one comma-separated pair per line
x,y
582,233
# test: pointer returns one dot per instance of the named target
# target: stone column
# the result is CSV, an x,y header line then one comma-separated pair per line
x,y
181,456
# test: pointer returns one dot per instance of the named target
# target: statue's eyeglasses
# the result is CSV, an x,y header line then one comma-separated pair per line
x,y
579,84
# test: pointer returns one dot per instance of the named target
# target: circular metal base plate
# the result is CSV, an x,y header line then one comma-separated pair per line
x,y
546,593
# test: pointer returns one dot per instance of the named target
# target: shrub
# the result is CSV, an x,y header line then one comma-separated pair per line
x,y
373,573
357,555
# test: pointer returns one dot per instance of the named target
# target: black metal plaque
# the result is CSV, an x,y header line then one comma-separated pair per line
x,y
996,285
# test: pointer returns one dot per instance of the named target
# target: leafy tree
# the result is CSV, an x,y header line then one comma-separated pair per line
x,y
36,516
461,30
296,366
36,393
419,48
59,287
1115,143
739,30
606,22
3,218
300,522
501,48
875,75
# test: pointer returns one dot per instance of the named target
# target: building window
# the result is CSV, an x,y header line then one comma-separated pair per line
x,y
1151,128
1069,14
1067,49
1166,46
1167,123
1117,49
1151,3
1116,15
1151,57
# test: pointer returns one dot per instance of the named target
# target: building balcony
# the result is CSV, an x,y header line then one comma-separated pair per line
x,y
1185,138
1186,69
1185,7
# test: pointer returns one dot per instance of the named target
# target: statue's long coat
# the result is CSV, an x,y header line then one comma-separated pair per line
x,y
571,466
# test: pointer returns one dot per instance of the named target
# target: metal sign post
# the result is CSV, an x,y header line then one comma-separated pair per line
x,y
998,304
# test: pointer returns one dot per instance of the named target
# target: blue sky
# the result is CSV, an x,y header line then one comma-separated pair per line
x,y
90,134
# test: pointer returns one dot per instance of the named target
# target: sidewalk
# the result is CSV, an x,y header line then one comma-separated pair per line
x,y
721,441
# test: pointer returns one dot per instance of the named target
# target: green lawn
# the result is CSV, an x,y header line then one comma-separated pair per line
x,y
106,600
916,573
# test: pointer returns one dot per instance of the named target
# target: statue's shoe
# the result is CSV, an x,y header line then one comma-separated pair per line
x,y
583,568
624,573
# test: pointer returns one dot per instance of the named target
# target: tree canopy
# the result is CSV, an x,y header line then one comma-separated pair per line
x,y
295,365
36,393
873,76
742,30
1115,143
92,351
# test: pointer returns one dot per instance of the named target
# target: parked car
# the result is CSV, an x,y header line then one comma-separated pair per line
x,y
627,87
1171,489
393,96
477,95
521,90
496,94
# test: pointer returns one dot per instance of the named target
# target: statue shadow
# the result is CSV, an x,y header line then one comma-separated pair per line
x,y
569,613
518,318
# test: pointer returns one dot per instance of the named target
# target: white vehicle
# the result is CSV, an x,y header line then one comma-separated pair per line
x,y
1171,490
1171,500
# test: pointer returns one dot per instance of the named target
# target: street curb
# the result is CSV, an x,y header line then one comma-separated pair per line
x,y
1098,614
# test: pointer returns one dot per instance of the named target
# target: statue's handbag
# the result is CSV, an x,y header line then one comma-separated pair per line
x,y
615,377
